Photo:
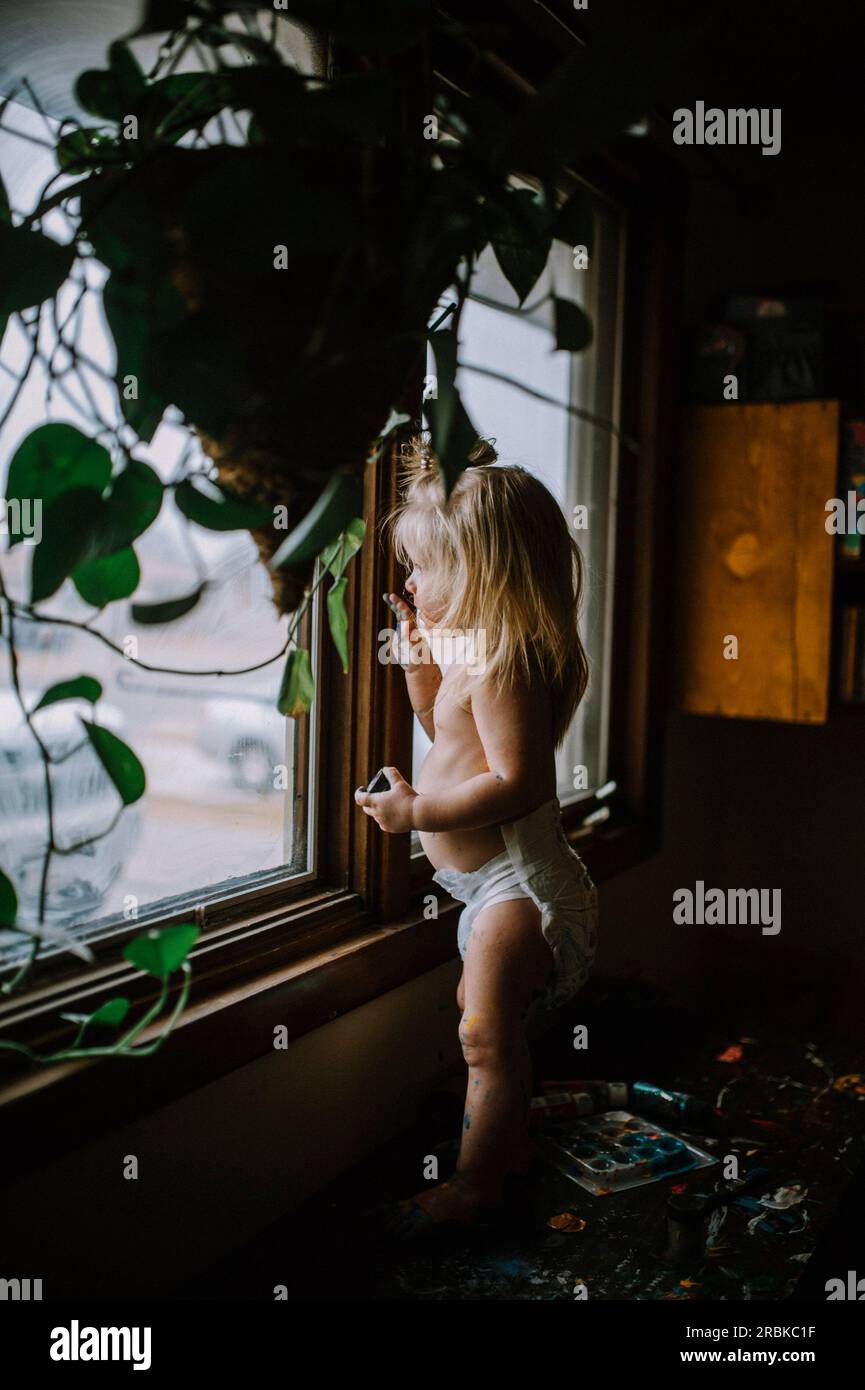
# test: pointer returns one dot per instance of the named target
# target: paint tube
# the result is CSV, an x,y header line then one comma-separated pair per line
x,y
607,1095
667,1105
563,1105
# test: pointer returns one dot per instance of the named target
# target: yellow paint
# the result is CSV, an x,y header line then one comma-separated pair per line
x,y
567,1221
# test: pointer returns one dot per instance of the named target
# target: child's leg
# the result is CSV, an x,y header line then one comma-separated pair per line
x,y
507,964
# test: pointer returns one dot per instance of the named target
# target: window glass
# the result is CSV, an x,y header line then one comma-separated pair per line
x,y
574,458
229,780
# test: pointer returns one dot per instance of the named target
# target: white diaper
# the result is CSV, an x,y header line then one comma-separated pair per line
x,y
538,864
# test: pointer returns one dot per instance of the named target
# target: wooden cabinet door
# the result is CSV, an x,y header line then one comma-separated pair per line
x,y
756,560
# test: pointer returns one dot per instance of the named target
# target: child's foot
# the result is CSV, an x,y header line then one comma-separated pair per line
x,y
447,1206
455,1200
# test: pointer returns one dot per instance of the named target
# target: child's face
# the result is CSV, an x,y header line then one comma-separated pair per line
x,y
419,586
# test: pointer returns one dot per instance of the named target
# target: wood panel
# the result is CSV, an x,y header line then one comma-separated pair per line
x,y
756,560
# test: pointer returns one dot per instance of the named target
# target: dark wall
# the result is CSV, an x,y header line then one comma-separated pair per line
x,y
750,803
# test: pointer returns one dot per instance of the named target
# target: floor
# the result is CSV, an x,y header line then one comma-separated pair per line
x,y
791,1104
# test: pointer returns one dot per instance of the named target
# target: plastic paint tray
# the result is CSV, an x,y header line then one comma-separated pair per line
x,y
613,1151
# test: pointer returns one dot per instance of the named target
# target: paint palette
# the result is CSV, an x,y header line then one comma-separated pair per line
x,y
614,1151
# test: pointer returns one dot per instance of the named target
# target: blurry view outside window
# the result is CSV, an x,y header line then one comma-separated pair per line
x,y
229,779
575,459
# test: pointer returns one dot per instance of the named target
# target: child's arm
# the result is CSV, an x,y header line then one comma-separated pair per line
x,y
514,729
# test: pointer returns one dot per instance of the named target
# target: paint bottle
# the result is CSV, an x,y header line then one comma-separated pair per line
x,y
607,1095
559,1106
667,1105
686,1228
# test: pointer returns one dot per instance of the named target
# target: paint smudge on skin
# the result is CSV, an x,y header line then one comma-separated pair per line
x,y
467,1121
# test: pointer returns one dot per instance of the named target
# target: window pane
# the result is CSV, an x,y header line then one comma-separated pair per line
x,y
575,459
229,780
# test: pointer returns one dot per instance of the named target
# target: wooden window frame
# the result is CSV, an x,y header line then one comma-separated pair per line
x,y
298,956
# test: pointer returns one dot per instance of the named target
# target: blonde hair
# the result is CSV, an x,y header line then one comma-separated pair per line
x,y
502,561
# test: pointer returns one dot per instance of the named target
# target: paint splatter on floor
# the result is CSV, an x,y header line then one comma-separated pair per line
x,y
788,1106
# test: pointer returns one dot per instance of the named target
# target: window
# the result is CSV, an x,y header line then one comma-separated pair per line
x,y
231,800
518,389
309,910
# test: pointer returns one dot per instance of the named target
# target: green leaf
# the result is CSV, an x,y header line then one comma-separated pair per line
x,y
162,949
167,612
338,619
115,92
108,578
141,313
55,459
8,901
573,326
575,221
335,557
219,510
82,688
79,151
186,101
109,1015
297,690
132,505
453,434
32,267
522,251
71,535
119,762
126,69
325,521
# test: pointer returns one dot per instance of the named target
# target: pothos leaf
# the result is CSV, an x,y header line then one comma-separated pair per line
x,y
119,762
573,326
167,612
335,557
82,688
338,619
8,901
297,690
162,950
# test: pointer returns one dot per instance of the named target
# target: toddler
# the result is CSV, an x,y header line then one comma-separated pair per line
x,y
495,569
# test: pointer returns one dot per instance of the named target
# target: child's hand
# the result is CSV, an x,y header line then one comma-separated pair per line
x,y
412,640
392,811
